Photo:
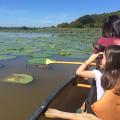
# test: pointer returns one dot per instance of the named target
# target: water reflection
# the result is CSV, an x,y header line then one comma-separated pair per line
x,y
18,102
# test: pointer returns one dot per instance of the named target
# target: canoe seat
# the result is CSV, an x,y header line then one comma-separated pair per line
x,y
83,85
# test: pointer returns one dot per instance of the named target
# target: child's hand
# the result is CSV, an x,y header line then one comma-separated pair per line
x,y
94,56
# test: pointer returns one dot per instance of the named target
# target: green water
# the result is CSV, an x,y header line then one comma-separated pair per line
x,y
73,43
17,50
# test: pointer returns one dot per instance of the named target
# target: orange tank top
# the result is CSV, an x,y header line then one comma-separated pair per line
x,y
108,107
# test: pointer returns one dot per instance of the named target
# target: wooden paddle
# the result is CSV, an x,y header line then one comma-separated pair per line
x,y
49,61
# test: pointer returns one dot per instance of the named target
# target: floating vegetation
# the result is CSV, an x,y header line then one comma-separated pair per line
x,y
41,55
7,57
51,45
18,78
64,53
37,61
65,42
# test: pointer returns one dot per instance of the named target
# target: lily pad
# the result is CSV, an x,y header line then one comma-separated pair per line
x,y
37,61
52,45
65,53
18,78
41,55
7,57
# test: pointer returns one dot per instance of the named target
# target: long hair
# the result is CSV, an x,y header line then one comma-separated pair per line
x,y
111,73
111,26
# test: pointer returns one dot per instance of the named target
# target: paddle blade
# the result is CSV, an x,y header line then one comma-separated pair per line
x,y
48,61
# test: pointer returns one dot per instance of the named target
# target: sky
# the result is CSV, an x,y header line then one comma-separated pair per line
x,y
44,13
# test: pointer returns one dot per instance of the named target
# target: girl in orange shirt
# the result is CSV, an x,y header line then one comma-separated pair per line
x,y
108,106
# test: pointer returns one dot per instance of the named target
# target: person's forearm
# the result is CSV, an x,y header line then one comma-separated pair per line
x,y
53,113
69,116
83,67
65,115
81,71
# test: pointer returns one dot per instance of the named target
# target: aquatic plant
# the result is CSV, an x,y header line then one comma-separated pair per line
x,y
18,78
7,57
37,61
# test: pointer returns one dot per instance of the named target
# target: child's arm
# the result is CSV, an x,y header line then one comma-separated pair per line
x,y
81,71
54,113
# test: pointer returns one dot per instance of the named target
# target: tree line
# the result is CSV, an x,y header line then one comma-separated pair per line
x,y
88,21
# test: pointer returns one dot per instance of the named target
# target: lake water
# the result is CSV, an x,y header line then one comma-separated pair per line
x,y
17,101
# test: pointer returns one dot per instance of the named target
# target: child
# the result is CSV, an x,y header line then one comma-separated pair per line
x,y
110,34
96,74
107,106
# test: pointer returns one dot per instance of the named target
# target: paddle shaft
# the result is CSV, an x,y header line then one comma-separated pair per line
x,y
68,62
49,61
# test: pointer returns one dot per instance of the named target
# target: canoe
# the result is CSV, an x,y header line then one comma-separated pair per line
x,y
69,97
